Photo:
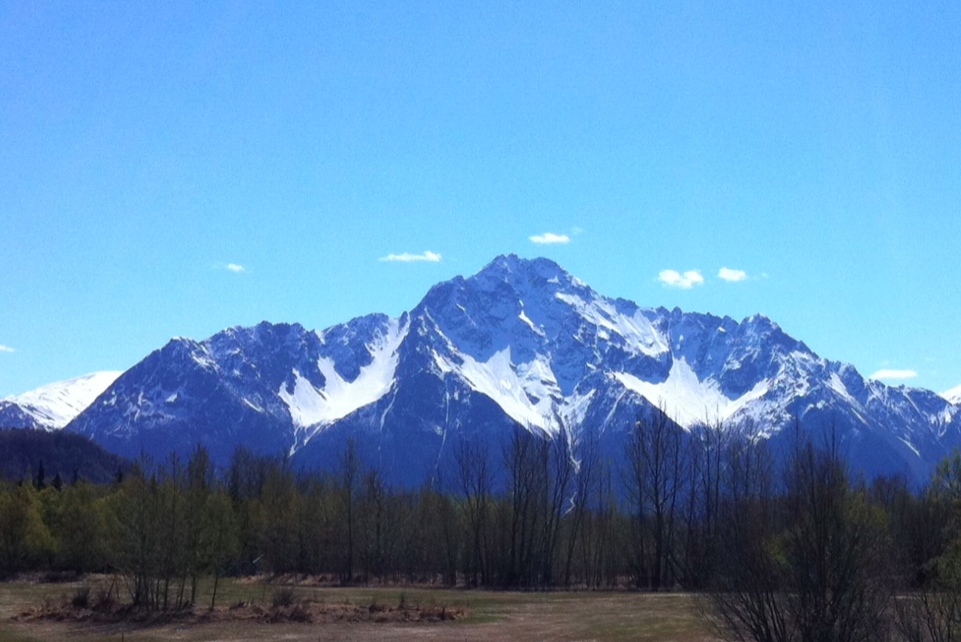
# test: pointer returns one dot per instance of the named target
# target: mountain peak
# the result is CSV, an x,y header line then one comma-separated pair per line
x,y
523,273
761,320
54,405
508,263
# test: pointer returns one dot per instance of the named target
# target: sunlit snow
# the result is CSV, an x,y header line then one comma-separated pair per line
x,y
310,406
910,446
527,392
835,383
202,358
525,319
512,390
637,331
686,399
56,404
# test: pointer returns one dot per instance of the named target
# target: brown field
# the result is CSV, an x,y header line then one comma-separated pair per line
x,y
367,614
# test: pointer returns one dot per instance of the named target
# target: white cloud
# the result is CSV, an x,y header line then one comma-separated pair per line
x,y
887,373
235,267
407,257
4,348
685,281
549,238
730,275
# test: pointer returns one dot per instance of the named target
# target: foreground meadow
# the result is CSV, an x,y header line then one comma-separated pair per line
x,y
479,615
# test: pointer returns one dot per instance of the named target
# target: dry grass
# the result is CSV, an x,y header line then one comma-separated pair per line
x,y
367,613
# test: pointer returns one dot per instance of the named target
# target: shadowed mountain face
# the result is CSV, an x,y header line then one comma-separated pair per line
x,y
520,344
23,452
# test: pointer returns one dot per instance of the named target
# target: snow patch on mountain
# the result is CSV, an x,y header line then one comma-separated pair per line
x,y
55,405
637,330
834,383
310,405
687,400
527,392
523,317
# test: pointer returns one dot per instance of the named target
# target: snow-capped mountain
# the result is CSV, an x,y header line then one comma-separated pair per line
x,y
953,395
54,405
521,343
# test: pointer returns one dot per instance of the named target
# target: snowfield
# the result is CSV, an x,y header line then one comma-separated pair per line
x,y
55,405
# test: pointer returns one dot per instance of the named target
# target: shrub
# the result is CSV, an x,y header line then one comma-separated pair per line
x,y
283,597
81,598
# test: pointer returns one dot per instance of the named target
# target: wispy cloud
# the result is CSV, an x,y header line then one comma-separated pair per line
x,y
407,257
4,348
549,238
730,275
685,281
235,267
888,373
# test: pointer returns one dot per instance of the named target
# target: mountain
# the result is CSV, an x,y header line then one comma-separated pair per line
x,y
953,395
61,453
54,405
521,343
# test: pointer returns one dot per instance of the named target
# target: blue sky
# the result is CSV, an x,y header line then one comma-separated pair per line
x,y
172,169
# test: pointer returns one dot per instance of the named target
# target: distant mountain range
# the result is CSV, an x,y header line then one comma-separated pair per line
x,y
522,343
54,405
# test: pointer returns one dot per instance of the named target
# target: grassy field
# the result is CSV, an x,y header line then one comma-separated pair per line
x,y
491,615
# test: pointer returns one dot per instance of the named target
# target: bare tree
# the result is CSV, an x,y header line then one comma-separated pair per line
x,y
807,566
474,479
655,479
349,476
525,461
706,451
580,503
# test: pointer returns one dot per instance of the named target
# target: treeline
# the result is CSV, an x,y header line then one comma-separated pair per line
x,y
797,551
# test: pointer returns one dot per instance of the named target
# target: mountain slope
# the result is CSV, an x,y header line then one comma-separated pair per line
x,y
521,343
60,452
244,386
54,405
